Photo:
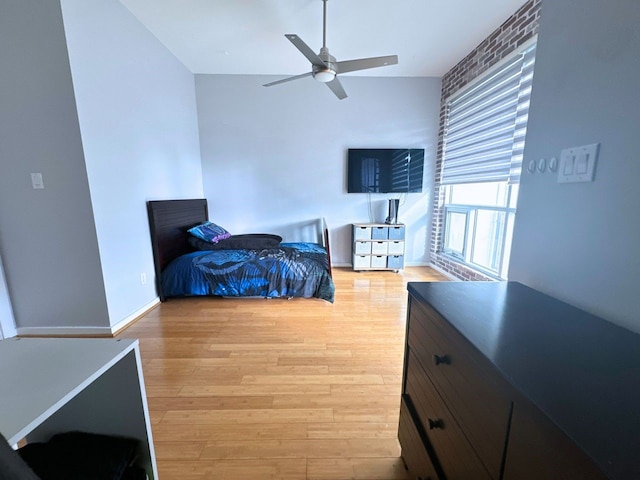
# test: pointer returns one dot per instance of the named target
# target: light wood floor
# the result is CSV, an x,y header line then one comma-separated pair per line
x,y
279,389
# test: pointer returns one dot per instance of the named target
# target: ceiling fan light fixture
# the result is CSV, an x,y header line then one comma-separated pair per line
x,y
325,75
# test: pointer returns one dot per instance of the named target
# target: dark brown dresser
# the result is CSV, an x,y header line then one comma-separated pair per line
x,y
502,382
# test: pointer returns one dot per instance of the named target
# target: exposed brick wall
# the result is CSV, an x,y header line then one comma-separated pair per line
x,y
519,28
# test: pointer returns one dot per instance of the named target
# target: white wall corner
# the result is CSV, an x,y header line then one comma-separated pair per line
x,y
7,320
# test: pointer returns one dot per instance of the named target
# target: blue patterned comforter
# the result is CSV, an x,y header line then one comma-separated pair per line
x,y
290,270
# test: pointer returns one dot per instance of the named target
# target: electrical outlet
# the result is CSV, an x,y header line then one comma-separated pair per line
x,y
36,181
143,278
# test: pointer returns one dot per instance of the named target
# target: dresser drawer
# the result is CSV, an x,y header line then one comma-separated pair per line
x,y
538,449
414,452
452,450
478,398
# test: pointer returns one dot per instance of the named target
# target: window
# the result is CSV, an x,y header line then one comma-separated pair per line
x,y
479,220
485,129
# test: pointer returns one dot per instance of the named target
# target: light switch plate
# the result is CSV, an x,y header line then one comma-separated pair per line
x,y
578,164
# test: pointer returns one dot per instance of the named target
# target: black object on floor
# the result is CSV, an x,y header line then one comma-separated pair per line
x,y
83,456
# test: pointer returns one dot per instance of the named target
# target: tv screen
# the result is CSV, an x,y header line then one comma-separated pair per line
x,y
385,170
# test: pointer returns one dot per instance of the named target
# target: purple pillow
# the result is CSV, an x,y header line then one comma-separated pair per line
x,y
209,232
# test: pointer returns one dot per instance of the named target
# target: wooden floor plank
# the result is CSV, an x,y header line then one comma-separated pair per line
x,y
263,415
250,431
363,430
315,448
262,469
389,468
250,390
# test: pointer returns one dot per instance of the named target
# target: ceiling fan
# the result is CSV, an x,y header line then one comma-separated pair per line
x,y
324,67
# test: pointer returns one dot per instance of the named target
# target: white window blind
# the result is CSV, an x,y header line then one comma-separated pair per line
x,y
486,125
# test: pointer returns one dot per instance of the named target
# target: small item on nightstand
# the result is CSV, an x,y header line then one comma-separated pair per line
x,y
392,218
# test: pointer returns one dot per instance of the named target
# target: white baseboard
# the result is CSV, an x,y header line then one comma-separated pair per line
x,y
86,331
64,332
134,316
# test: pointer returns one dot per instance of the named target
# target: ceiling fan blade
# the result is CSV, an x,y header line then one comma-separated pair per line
x,y
336,88
364,63
288,79
305,50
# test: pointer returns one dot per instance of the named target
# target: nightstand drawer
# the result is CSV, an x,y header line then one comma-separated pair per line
x,y
395,261
379,261
478,399
361,233
379,248
361,261
362,248
396,233
379,233
395,248
452,450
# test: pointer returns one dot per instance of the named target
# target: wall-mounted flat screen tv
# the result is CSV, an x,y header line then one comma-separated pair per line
x,y
385,170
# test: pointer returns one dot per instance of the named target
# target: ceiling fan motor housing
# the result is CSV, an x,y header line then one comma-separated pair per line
x,y
325,73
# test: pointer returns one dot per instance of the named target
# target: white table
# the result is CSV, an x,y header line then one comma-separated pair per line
x,y
53,385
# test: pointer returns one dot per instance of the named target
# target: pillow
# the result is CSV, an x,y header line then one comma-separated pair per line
x,y
209,232
250,241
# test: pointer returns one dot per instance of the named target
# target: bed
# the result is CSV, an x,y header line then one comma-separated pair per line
x,y
288,270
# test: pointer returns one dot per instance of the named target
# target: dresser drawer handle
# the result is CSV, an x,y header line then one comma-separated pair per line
x,y
444,360
435,424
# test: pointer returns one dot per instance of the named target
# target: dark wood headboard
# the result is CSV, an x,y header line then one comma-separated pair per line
x,y
169,221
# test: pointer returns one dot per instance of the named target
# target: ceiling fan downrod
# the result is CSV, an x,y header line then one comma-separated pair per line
x,y
324,24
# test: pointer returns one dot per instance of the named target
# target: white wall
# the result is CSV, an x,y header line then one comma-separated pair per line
x,y
138,120
47,237
275,157
579,242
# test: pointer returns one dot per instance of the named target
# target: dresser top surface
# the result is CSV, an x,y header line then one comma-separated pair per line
x,y
580,370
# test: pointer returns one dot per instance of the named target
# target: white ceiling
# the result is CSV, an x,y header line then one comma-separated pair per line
x,y
247,36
